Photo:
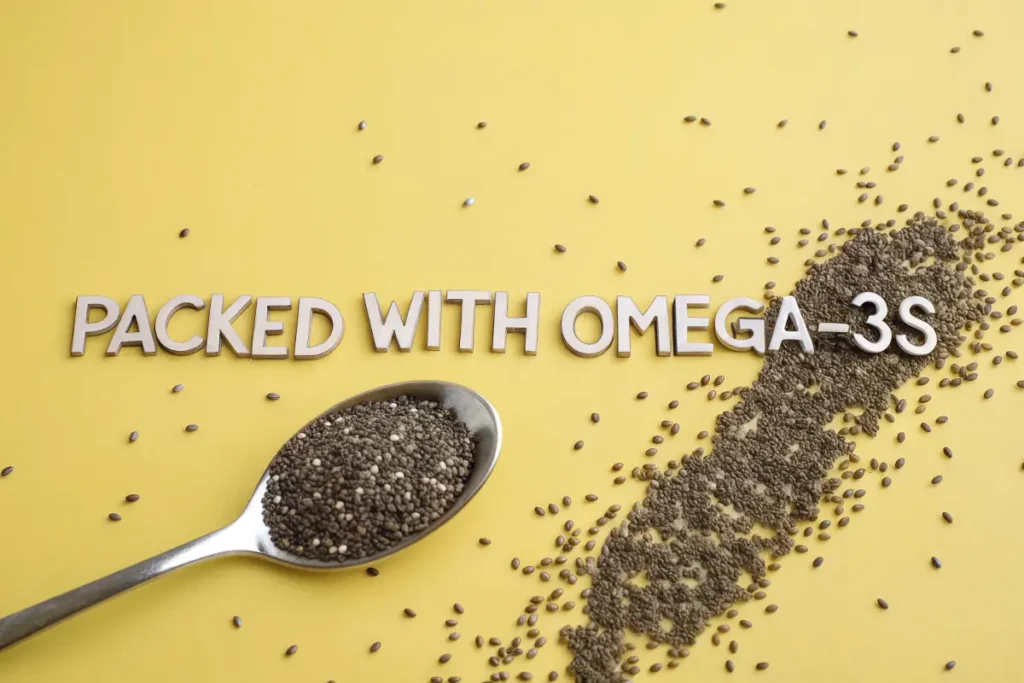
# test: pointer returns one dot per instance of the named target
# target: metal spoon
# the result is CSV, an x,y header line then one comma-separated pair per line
x,y
248,535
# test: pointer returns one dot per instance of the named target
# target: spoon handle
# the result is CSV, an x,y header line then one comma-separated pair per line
x,y
30,620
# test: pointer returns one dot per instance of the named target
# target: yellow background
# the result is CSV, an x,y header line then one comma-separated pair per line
x,y
123,122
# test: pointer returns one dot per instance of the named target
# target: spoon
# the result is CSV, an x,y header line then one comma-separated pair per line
x,y
249,535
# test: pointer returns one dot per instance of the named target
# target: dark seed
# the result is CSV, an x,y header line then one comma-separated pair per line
x,y
292,650
114,517
525,165
593,199
376,646
948,517
818,561
237,621
184,232
273,396
937,479
191,428
883,604
578,445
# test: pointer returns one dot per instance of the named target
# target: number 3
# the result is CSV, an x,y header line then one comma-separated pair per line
x,y
875,320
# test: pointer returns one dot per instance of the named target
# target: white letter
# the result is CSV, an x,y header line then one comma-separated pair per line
x,y
134,312
684,322
220,325
630,316
753,325
875,320
404,332
576,308
469,298
434,320
790,311
307,307
163,317
83,328
263,328
908,318
503,324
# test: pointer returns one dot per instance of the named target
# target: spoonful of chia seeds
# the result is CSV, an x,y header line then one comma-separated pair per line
x,y
368,477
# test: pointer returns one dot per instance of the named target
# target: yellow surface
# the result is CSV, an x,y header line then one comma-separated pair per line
x,y
123,122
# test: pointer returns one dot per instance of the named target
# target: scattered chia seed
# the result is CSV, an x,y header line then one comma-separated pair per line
x,y
691,552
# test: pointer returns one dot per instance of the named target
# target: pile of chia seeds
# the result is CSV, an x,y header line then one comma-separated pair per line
x,y
357,482
693,538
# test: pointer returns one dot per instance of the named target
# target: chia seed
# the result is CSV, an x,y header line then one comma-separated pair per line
x,y
693,553
357,482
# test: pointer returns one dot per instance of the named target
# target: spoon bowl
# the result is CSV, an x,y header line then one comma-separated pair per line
x,y
469,407
249,534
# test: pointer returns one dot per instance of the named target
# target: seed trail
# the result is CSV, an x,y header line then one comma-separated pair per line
x,y
774,473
